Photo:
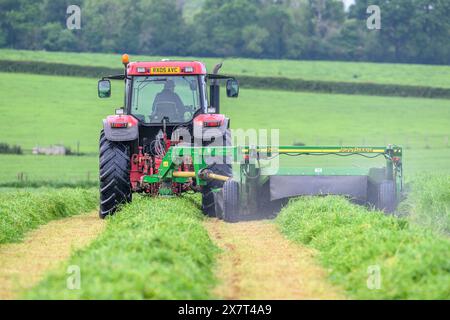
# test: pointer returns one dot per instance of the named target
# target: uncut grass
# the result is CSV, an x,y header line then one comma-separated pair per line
x,y
153,249
22,210
414,262
384,73
428,202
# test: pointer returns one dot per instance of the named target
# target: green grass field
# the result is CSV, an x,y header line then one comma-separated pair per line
x,y
162,251
434,76
49,110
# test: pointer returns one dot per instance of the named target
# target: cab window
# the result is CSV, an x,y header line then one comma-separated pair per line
x,y
173,98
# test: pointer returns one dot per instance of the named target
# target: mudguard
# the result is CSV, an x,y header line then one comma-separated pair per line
x,y
121,128
209,127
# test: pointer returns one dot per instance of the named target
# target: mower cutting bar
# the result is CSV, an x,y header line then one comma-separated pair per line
x,y
269,150
248,154
319,150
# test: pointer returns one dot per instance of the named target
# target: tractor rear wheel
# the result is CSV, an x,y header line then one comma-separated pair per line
x,y
386,196
115,188
230,201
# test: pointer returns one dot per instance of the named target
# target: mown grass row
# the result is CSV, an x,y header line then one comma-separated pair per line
x,y
21,210
154,249
371,255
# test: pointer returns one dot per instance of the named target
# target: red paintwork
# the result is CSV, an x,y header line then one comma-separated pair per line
x,y
209,117
142,164
132,121
199,68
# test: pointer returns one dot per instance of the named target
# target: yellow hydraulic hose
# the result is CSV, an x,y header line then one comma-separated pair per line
x,y
184,174
191,174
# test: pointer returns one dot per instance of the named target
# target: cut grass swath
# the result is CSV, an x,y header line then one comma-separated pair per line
x,y
354,244
153,249
21,211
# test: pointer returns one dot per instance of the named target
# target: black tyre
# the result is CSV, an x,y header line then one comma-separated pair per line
x,y
115,188
231,201
386,196
208,203
222,167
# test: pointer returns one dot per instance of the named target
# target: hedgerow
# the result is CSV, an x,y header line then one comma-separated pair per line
x,y
273,83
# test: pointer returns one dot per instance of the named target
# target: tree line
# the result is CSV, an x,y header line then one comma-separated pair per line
x,y
412,31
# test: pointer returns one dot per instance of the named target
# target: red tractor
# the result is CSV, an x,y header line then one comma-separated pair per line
x,y
166,104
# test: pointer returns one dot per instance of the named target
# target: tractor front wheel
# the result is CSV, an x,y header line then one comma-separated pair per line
x,y
115,188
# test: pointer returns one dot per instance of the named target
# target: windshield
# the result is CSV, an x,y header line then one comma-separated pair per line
x,y
174,98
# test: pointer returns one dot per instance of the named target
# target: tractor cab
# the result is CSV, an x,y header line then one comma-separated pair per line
x,y
166,94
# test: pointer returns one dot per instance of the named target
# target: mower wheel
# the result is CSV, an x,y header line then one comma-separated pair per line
x,y
224,169
386,196
230,201
115,188
208,204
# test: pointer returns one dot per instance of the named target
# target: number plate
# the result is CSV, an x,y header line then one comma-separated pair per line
x,y
165,70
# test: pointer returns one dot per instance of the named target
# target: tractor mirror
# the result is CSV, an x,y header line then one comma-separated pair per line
x,y
232,88
104,89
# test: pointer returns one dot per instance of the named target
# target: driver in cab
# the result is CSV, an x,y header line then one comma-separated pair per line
x,y
168,104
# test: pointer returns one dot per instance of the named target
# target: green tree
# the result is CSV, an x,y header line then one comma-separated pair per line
x,y
218,29
19,23
162,28
411,30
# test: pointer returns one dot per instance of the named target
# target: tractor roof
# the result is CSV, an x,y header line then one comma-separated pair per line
x,y
166,67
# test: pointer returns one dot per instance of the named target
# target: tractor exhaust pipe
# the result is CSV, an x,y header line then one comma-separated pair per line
x,y
214,90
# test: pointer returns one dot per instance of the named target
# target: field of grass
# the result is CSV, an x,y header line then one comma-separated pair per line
x,y
48,168
371,255
434,76
49,110
21,211
154,249
158,248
